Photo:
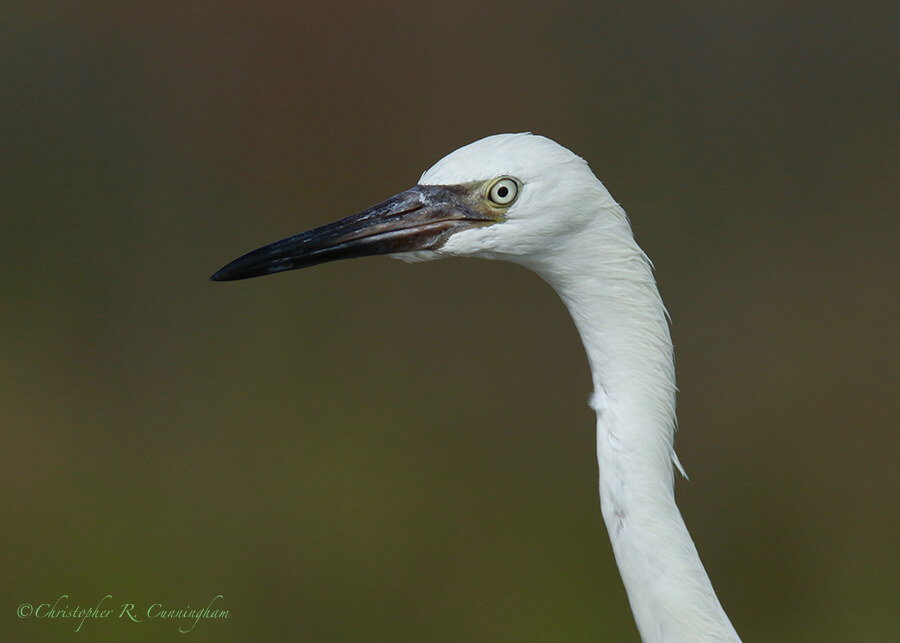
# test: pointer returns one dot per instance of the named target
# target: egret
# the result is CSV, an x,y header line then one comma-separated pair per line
x,y
526,199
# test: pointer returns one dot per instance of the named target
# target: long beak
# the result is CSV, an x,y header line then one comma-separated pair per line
x,y
421,218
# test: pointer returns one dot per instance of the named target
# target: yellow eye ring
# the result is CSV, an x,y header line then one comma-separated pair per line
x,y
503,191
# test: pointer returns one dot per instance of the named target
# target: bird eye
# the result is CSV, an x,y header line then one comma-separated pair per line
x,y
504,191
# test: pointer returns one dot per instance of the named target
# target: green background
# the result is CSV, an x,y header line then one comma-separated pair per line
x,y
371,451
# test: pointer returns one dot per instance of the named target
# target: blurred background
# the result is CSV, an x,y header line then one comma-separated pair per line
x,y
372,451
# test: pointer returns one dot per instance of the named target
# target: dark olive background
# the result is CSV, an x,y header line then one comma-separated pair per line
x,y
371,451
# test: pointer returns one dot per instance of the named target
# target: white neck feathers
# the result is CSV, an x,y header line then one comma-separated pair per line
x,y
607,284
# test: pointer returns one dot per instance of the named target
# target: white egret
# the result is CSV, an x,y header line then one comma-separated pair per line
x,y
526,199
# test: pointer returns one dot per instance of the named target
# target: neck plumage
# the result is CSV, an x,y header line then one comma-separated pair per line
x,y
608,286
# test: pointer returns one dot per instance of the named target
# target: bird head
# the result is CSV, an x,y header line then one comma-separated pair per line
x,y
516,197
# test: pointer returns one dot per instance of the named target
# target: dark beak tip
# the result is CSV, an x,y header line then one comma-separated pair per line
x,y
234,272
244,267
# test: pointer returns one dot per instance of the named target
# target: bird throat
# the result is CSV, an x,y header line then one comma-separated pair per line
x,y
615,304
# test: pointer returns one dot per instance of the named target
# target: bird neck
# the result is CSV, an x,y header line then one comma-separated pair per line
x,y
608,286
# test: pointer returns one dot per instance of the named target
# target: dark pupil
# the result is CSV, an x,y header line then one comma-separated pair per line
x,y
502,191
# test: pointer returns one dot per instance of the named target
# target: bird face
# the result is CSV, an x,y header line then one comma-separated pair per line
x,y
506,196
